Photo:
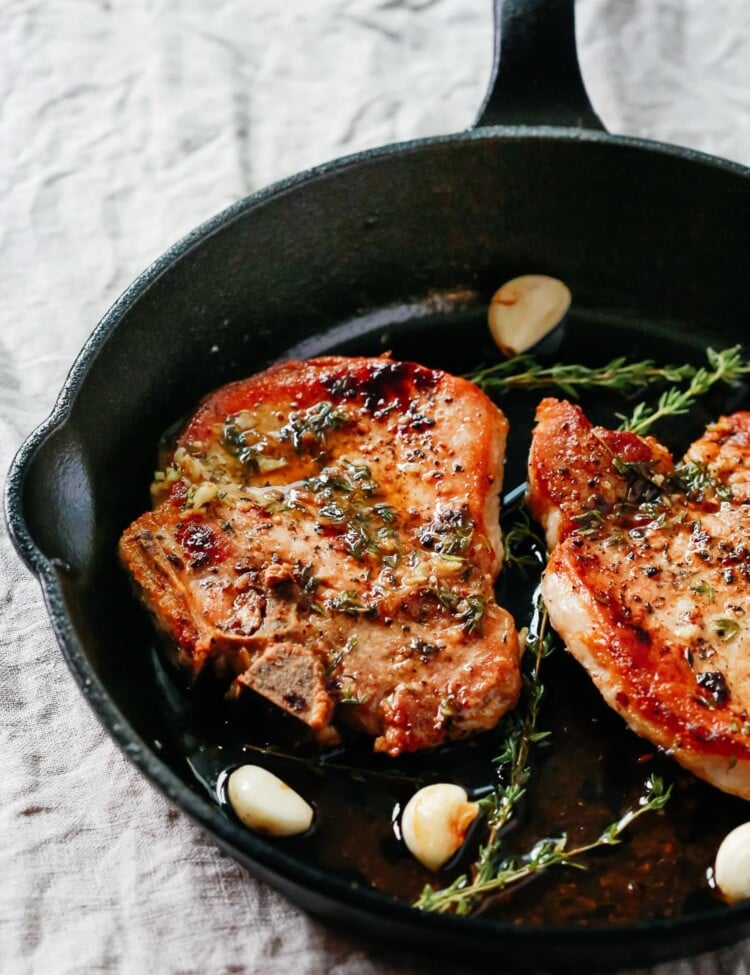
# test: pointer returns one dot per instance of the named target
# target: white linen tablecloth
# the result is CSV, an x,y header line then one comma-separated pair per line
x,y
123,123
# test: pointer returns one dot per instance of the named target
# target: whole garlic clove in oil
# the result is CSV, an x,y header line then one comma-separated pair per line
x,y
435,822
526,309
266,804
732,866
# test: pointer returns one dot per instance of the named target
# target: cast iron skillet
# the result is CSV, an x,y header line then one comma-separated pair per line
x,y
399,247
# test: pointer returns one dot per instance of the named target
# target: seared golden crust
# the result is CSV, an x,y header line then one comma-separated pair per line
x,y
651,593
724,450
327,532
571,468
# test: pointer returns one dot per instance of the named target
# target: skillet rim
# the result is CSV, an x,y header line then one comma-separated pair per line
x,y
271,862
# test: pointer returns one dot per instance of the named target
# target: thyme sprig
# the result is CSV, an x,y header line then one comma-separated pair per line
x,y
724,366
619,375
513,774
525,372
551,851
493,873
513,761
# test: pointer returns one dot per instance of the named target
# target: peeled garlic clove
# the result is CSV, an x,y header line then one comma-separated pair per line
x,y
435,822
266,804
732,867
526,309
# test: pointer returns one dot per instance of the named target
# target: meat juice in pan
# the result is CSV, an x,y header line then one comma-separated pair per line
x,y
585,775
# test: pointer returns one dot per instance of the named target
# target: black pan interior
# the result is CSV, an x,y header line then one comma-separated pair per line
x,y
397,251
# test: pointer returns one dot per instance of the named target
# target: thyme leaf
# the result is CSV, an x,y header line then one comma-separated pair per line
x,y
589,522
449,533
470,611
651,492
694,480
639,477
469,608
235,442
348,602
306,429
344,497
350,696
726,629
705,590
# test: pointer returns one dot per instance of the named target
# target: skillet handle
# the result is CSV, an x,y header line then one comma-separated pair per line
x,y
536,78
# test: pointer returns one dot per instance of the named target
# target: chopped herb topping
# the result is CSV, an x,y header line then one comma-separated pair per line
x,y
650,491
238,444
386,514
449,533
467,608
589,522
306,430
694,480
275,503
328,481
703,589
332,512
726,629
639,477
306,580
447,598
344,496
348,696
338,657
470,611
348,602
356,539
361,475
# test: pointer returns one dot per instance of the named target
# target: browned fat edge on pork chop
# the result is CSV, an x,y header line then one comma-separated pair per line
x,y
326,533
648,581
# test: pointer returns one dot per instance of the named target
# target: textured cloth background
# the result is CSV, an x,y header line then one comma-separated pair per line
x,y
122,125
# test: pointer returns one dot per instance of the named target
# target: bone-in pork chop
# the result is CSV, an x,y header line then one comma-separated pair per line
x,y
326,533
648,581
